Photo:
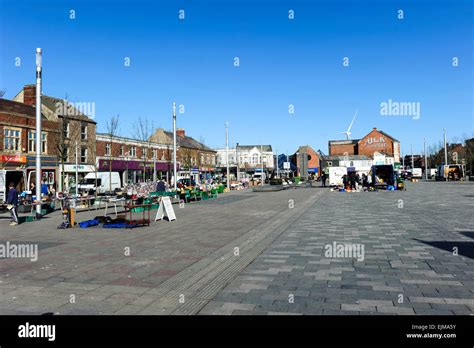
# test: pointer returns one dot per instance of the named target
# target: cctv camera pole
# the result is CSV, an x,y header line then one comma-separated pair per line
x,y
174,147
38,130
227,153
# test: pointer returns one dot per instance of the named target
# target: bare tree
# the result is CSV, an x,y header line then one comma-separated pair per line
x,y
143,130
2,92
112,131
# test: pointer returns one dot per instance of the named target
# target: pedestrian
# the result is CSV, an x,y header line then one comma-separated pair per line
x,y
323,179
365,181
345,181
161,187
44,188
352,181
12,201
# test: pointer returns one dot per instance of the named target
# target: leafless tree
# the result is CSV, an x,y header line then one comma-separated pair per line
x,y
143,130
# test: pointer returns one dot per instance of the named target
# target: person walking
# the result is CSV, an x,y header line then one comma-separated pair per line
x,y
12,201
161,187
352,181
323,179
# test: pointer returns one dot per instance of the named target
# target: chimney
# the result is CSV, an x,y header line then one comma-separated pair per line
x,y
29,95
180,132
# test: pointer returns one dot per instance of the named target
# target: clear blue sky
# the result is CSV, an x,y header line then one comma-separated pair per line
x,y
282,62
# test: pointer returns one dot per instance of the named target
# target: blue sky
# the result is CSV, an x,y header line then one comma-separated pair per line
x,y
282,62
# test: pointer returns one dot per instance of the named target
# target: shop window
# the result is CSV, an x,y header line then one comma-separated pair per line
x,y
12,139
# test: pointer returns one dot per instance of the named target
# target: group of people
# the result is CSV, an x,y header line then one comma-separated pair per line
x,y
350,181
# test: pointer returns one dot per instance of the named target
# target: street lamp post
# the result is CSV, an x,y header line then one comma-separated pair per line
x,y
77,173
38,129
237,159
426,159
174,147
227,153
445,152
261,160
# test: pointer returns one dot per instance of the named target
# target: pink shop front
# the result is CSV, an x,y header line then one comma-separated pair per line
x,y
137,171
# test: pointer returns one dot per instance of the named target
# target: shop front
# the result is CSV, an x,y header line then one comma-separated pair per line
x,y
133,172
69,176
21,171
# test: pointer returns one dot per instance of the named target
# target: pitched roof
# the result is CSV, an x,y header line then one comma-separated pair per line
x,y
51,103
343,142
16,108
188,142
267,148
387,135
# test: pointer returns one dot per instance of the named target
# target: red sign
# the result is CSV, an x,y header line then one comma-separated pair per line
x,y
13,159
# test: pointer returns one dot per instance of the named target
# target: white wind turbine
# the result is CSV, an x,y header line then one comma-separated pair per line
x,y
348,131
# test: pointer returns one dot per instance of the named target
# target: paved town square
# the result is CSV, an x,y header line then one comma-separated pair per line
x,y
248,252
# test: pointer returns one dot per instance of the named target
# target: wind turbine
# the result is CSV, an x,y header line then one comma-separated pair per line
x,y
348,131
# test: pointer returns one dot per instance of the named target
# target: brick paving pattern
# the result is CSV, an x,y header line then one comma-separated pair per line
x,y
251,253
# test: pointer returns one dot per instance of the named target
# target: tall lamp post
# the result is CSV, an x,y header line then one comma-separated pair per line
x,y
38,130
426,159
445,152
227,153
174,147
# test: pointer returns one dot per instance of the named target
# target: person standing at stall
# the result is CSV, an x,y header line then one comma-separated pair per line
x,y
323,179
12,201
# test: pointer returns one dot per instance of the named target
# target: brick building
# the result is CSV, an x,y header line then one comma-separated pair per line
x,y
73,128
192,156
375,141
307,161
18,146
135,160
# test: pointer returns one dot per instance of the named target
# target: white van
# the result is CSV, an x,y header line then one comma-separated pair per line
x,y
417,173
88,184
258,176
335,175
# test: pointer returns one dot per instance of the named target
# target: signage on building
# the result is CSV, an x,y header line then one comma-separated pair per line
x,y
375,141
286,165
13,159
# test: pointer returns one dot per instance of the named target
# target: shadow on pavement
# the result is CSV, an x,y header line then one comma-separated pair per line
x,y
464,248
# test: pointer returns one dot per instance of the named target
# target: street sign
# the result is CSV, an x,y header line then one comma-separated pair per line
x,y
165,207
286,165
